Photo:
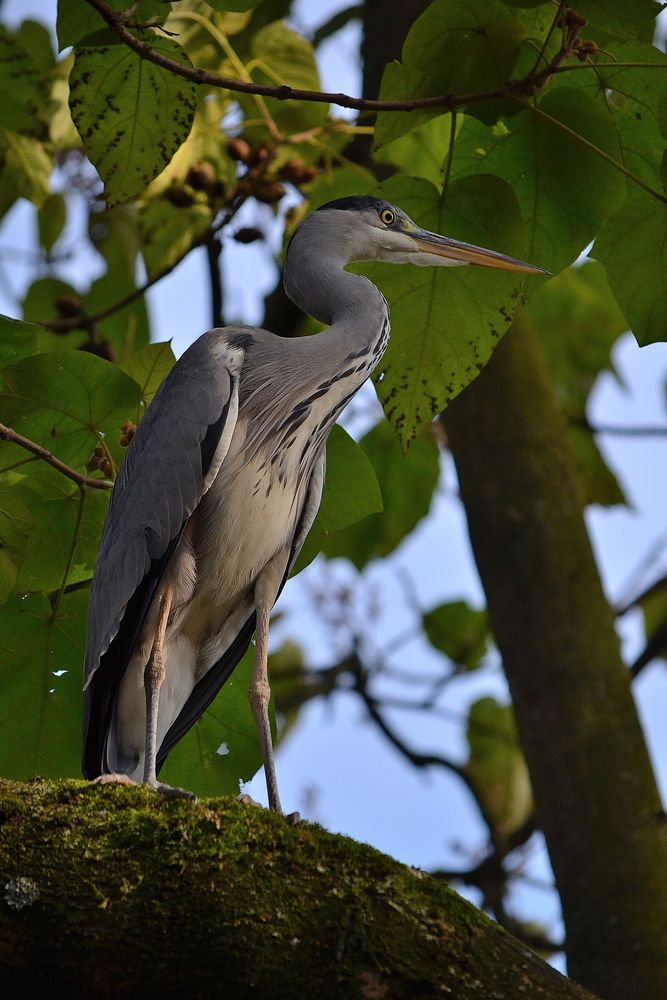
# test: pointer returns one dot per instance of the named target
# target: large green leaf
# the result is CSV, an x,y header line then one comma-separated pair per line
x,y
168,231
631,98
221,749
25,169
41,656
617,19
51,529
564,189
632,248
19,340
445,321
68,402
351,492
131,114
149,367
497,767
459,631
456,47
578,322
281,56
406,482
421,152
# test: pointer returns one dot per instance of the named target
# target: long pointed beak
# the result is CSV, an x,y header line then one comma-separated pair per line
x,y
467,253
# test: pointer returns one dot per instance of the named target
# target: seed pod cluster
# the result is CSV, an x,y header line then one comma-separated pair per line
x,y
127,432
100,460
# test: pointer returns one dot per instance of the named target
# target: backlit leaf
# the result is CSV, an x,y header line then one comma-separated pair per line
x,y
131,114
459,631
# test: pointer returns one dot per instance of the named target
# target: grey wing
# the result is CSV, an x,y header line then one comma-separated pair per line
x,y
173,458
206,689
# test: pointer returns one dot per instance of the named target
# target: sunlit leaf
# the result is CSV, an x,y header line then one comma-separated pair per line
x,y
422,152
41,655
351,492
631,247
18,340
282,56
459,631
67,402
497,766
149,367
25,169
131,114
168,231
406,483
445,320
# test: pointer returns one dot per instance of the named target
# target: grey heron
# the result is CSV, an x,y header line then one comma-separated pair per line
x,y
220,486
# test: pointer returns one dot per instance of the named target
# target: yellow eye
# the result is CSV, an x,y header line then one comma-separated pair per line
x,y
387,216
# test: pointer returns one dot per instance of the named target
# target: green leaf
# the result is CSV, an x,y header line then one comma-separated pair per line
x,y
564,189
25,171
24,87
445,320
8,573
454,47
578,322
168,231
459,631
422,152
131,114
631,247
221,749
632,99
51,219
18,340
114,232
40,713
124,329
237,5
616,19
406,484
63,532
149,367
351,492
67,402
496,766
76,21
281,56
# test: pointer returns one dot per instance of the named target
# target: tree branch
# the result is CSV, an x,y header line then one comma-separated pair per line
x,y
513,88
8,434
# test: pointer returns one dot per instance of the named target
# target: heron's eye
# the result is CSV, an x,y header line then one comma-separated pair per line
x,y
387,216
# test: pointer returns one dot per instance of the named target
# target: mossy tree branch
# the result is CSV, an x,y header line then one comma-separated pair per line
x,y
118,892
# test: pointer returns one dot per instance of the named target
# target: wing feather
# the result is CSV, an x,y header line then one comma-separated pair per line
x,y
167,469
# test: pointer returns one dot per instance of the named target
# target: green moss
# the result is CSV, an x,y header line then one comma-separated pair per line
x,y
215,898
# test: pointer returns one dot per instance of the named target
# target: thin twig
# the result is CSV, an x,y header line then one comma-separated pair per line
x,y
514,88
8,434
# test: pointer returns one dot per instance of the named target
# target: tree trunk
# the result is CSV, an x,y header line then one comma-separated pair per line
x,y
113,892
595,791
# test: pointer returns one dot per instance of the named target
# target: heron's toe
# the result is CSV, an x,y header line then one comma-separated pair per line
x,y
113,779
174,793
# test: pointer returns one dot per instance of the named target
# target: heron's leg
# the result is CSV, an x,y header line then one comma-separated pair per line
x,y
153,678
266,589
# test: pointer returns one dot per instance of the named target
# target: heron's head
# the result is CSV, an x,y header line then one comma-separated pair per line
x,y
366,228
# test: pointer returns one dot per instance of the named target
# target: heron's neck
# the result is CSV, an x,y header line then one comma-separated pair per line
x,y
354,308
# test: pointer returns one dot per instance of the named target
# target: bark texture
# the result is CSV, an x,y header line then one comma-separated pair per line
x,y
594,787
119,892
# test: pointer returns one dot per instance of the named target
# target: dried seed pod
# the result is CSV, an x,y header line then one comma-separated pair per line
x,y
259,154
101,347
202,177
239,149
269,192
69,306
179,196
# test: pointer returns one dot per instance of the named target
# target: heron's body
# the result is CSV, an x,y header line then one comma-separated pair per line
x,y
219,489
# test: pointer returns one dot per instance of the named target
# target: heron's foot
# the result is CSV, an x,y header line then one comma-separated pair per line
x,y
171,792
113,779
